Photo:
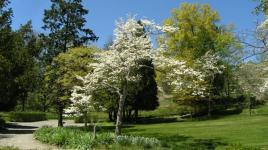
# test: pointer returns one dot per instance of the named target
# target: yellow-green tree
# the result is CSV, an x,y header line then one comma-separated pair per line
x,y
61,75
198,32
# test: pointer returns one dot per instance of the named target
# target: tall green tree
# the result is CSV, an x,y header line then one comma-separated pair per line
x,y
199,32
146,98
27,54
60,77
18,52
65,24
7,84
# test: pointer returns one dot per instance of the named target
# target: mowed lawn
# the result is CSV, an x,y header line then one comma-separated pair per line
x,y
240,129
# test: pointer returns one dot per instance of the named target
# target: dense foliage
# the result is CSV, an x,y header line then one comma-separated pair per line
x,y
18,53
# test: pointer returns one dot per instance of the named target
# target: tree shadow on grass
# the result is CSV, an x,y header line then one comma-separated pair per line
x,y
188,143
176,141
217,114
202,144
153,120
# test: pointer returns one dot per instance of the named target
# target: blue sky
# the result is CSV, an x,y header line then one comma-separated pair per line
x,y
103,13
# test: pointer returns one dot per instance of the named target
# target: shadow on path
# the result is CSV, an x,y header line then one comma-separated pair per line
x,y
14,128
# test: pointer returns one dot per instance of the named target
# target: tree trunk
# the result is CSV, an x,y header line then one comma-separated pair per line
x,y
136,114
250,107
23,104
110,114
124,115
23,101
60,117
44,104
129,114
209,108
228,83
120,110
209,97
114,116
94,130
85,119
44,108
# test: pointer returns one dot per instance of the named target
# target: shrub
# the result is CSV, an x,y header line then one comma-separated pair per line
x,y
27,116
139,141
77,138
72,138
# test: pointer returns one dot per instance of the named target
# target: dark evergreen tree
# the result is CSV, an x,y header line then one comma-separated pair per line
x,y
146,99
7,84
25,67
18,53
65,23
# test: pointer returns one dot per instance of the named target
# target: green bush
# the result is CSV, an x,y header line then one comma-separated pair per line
x,y
78,138
27,116
72,138
139,141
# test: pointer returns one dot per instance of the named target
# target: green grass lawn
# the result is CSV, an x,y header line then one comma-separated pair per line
x,y
242,129
233,132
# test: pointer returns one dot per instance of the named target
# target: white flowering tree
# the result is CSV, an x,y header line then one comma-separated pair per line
x,y
252,78
209,66
116,68
82,104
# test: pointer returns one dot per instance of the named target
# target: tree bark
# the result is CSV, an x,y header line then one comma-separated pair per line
x,y
94,130
129,114
119,118
136,114
60,117
124,115
23,104
114,116
209,108
85,119
110,114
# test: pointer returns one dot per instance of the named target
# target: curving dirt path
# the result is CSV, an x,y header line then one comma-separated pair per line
x,y
20,134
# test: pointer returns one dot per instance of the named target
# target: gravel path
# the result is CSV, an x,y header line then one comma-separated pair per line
x,y
20,134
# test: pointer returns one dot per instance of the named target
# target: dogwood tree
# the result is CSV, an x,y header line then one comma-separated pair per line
x,y
82,104
252,78
116,68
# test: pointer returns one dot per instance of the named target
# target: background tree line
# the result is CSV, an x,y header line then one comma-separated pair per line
x,y
38,70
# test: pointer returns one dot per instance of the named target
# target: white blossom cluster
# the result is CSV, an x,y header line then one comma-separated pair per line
x,y
82,103
253,78
263,25
264,88
153,27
